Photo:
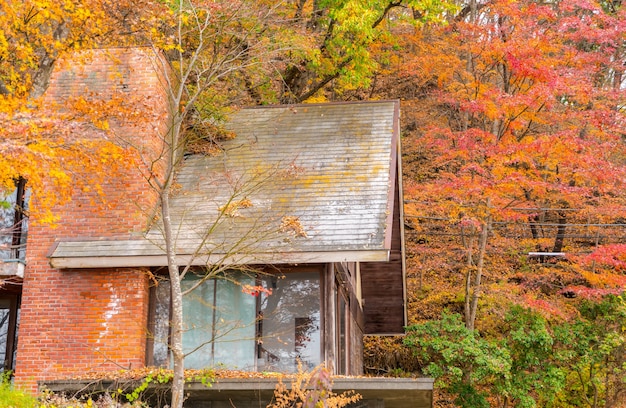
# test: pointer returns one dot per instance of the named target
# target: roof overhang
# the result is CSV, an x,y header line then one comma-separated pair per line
x,y
119,254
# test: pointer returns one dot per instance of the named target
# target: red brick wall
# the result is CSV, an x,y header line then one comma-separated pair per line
x,y
74,321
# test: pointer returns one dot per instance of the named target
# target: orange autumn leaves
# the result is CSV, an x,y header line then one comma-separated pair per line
x,y
55,160
522,106
59,148
529,106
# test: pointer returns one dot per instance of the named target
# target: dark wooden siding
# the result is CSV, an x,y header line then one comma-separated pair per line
x,y
383,283
356,338
344,279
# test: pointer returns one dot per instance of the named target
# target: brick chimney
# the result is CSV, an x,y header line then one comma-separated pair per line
x,y
78,321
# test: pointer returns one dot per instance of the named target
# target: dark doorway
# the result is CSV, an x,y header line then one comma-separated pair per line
x,y
9,322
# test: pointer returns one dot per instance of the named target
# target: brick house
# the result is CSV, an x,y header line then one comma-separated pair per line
x,y
304,201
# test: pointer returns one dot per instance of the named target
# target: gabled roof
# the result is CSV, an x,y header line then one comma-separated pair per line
x,y
297,184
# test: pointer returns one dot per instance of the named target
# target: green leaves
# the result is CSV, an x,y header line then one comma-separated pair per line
x,y
459,358
536,364
594,346
343,37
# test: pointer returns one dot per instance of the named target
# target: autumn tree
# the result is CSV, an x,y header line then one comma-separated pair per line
x,y
323,45
339,39
527,120
40,142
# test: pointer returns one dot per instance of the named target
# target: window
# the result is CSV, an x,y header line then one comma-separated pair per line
x,y
13,222
290,320
270,329
9,320
219,323
343,311
13,228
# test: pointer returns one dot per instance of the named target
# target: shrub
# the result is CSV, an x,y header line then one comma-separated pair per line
x,y
311,390
11,397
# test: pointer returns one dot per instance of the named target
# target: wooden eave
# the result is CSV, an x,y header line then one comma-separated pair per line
x,y
65,257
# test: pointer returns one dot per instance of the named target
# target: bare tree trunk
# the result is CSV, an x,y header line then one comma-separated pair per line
x,y
469,64
468,294
176,295
176,317
594,386
560,233
533,226
473,289
469,265
482,249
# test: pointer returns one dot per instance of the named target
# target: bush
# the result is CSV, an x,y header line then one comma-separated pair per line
x,y
11,397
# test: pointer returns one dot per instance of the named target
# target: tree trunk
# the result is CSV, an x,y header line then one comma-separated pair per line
x,y
176,317
469,265
41,78
560,233
473,289
533,226
176,295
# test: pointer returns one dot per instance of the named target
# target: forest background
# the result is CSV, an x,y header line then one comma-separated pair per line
x,y
514,154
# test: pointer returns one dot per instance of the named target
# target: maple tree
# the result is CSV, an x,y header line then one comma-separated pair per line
x,y
529,123
515,130
337,40
40,142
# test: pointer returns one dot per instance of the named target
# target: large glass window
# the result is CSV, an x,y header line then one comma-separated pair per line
x,y
219,323
271,327
290,322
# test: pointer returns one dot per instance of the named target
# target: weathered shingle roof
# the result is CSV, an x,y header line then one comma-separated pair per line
x,y
297,184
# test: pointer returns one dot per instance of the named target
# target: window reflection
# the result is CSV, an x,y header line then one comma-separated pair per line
x,y
291,322
4,330
219,323
268,330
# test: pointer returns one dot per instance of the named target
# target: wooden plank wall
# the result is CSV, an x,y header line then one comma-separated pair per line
x,y
383,285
